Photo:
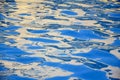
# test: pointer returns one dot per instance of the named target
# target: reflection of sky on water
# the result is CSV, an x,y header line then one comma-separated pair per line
x,y
60,40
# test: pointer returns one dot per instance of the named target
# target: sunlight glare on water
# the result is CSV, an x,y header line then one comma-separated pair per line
x,y
59,40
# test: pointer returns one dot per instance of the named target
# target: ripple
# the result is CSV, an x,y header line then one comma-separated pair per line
x,y
13,28
10,0
95,64
116,43
83,34
14,77
103,56
6,49
114,15
115,30
25,14
67,12
2,17
34,47
36,31
42,40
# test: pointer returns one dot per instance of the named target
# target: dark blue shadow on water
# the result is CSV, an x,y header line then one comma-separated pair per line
x,y
103,56
25,14
95,64
58,78
15,54
6,49
27,60
2,68
111,6
11,28
116,43
15,77
52,18
115,30
115,16
34,47
69,12
2,17
11,33
42,40
24,60
83,34
37,31
10,0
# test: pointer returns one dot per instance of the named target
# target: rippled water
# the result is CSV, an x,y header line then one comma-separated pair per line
x,y
60,40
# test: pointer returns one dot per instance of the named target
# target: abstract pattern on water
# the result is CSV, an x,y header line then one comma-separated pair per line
x,y
59,39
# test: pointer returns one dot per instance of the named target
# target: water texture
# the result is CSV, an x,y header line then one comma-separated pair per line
x,y
59,40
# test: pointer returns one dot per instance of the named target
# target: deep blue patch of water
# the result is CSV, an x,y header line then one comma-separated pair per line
x,y
103,56
25,14
116,43
36,31
15,77
69,12
42,40
83,34
2,17
115,30
114,14
11,28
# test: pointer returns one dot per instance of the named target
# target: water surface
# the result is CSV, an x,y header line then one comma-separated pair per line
x,y
59,40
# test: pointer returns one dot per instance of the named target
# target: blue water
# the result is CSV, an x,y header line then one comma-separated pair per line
x,y
59,40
